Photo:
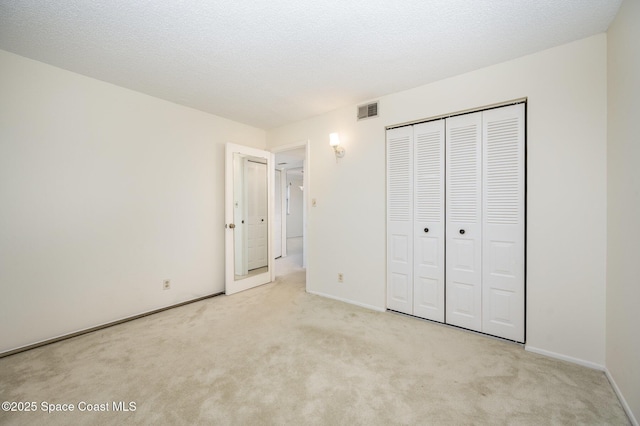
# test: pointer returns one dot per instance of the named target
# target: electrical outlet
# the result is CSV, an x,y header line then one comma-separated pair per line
x,y
166,284
340,277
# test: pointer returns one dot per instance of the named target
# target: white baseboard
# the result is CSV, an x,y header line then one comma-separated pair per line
x,y
616,389
565,358
623,402
351,302
101,326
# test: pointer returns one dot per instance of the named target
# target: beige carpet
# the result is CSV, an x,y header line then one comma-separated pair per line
x,y
277,355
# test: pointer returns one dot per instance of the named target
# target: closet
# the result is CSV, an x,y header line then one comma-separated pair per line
x,y
456,220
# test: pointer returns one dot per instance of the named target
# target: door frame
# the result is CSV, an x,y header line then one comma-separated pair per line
x,y
306,179
277,216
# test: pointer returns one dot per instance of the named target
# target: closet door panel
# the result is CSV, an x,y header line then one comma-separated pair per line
x,y
429,220
464,221
503,222
400,219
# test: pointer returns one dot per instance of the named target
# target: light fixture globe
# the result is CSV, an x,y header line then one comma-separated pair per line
x,y
334,141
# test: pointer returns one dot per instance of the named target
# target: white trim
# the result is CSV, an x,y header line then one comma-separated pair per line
x,y
283,210
623,402
306,181
278,251
289,147
351,302
103,325
567,358
589,364
464,111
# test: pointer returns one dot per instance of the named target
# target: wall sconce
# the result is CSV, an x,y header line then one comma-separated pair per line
x,y
334,141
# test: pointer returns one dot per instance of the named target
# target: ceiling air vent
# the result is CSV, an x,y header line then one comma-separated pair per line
x,y
367,111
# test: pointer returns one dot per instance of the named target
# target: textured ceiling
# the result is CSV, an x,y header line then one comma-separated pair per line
x,y
270,63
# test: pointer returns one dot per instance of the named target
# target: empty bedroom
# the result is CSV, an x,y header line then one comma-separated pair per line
x,y
337,212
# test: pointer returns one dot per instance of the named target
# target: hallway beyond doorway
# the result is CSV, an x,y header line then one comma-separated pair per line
x,y
293,261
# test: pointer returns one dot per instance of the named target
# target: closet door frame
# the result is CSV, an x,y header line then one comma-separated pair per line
x,y
413,237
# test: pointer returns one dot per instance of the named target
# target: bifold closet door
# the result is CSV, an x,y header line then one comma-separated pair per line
x,y
415,225
428,227
503,222
456,221
464,221
400,219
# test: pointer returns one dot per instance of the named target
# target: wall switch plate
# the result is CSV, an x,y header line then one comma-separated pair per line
x,y
314,202
166,284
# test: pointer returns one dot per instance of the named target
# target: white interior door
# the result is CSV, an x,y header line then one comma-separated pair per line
x,y
238,191
428,233
464,221
503,222
400,219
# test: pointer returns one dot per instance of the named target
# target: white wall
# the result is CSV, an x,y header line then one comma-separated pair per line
x,y
623,254
104,192
566,247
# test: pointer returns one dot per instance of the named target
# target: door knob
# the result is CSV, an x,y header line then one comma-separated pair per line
x,y
462,232
232,225
426,229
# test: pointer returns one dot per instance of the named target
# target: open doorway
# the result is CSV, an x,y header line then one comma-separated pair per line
x,y
291,181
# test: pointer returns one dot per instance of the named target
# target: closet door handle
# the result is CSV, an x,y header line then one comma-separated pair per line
x,y
232,225
462,231
426,229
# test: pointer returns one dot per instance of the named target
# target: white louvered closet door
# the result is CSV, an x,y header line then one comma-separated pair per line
x,y
464,221
428,226
400,219
503,222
